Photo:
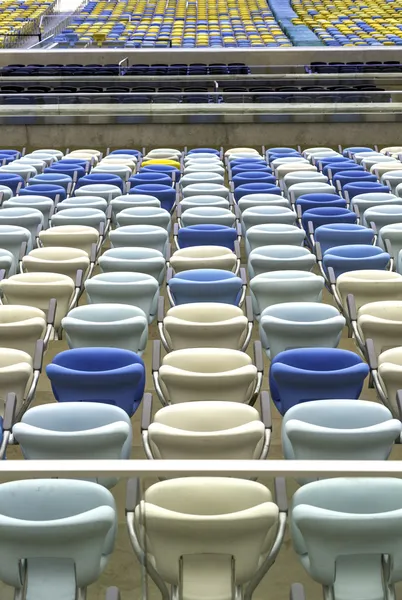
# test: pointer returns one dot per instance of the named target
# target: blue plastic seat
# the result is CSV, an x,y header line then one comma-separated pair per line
x,y
364,187
11,181
204,151
44,189
355,257
100,178
254,177
207,235
341,234
352,150
51,178
67,167
256,188
146,178
164,193
338,167
353,176
165,169
205,285
306,374
105,375
246,167
326,215
308,201
133,152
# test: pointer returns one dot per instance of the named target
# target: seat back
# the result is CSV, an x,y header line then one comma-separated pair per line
x,y
203,257
369,286
72,236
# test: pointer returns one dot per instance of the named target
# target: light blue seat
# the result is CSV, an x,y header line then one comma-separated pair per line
x,y
76,430
327,215
258,215
300,325
392,233
392,179
12,237
204,201
275,234
83,202
339,430
341,234
91,217
25,171
7,260
66,533
355,257
369,185
313,187
136,289
251,200
137,260
5,192
319,200
110,376
279,258
205,285
383,215
130,200
364,201
341,530
107,325
204,215
28,218
41,203
107,191
311,374
144,236
277,287
201,177
306,177
144,215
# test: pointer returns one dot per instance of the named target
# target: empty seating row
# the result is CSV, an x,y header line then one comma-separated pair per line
x,y
391,66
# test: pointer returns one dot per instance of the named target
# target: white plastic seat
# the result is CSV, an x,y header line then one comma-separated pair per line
x,y
58,154
300,325
144,215
392,179
184,525
199,167
274,234
91,217
37,289
288,159
392,150
56,259
107,325
372,200
277,287
206,430
392,233
303,176
203,257
131,200
6,191
71,236
119,160
369,286
139,260
83,202
41,203
16,373
135,289
21,327
22,216
75,430
106,191
202,215
36,163
257,215
120,170
292,167
196,374
369,161
199,189
49,159
7,261
24,170
296,190
203,176
12,237
205,325
255,200
201,201
390,376
144,236
167,153
279,258
381,322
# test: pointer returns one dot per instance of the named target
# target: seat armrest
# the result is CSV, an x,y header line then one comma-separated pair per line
x,y
51,313
179,210
296,592
161,309
239,229
38,356
168,251
237,211
169,274
249,310
331,276
237,250
258,357
146,415
175,229
23,251
79,278
371,355
132,494
351,304
318,252
243,276
265,404
281,497
93,254
156,356
10,407
113,593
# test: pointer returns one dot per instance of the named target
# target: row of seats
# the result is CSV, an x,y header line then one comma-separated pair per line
x,y
133,24
293,211
390,66
21,18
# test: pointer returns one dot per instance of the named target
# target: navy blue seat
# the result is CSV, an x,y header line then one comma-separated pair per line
x,y
332,169
160,168
326,215
207,235
67,167
164,193
104,178
256,188
205,285
307,374
352,176
246,167
253,177
364,187
12,181
45,189
52,178
146,177
105,375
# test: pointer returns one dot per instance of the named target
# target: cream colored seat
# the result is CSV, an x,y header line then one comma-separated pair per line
x,y
207,537
56,259
205,324
368,286
37,289
291,167
158,153
380,168
196,374
381,322
81,237
206,430
21,327
393,151
203,257
388,377
16,374
241,150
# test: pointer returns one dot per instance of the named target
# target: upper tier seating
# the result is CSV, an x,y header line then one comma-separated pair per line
x,y
21,19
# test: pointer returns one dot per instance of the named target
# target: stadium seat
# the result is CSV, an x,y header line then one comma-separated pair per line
x,y
143,236
138,260
206,285
278,258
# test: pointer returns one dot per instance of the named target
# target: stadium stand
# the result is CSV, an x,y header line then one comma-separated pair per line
x,y
21,19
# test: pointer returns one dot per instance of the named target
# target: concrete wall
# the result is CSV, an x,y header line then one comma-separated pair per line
x,y
225,134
